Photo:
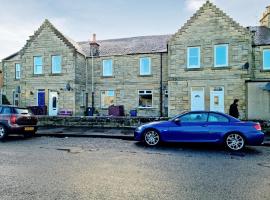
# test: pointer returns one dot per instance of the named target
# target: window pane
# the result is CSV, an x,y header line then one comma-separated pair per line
x,y
193,57
217,118
194,117
56,64
107,98
145,66
145,100
221,57
107,67
38,65
266,59
17,71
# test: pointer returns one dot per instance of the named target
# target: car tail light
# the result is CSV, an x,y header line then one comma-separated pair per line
x,y
13,119
258,127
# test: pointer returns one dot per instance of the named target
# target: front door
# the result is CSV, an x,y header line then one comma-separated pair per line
x,y
217,99
53,103
197,99
41,98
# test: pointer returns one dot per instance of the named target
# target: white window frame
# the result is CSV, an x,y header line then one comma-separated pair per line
x,y
35,71
150,66
17,72
53,71
145,92
199,58
227,55
265,50
103,67
106,91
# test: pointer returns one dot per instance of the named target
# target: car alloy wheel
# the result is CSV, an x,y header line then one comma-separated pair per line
x,y
235,142
151,138
2,132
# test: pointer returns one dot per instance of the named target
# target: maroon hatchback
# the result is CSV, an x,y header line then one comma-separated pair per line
x,y
16,120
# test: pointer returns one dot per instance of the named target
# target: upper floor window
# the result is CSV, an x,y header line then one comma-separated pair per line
x,y
17,71
193,57
145,66
266,59
56,64
38,65
107,98
221,55
107,67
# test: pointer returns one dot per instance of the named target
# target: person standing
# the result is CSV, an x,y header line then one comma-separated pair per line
x,y
234,109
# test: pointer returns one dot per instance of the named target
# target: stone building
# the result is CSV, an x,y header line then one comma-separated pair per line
x,y
208,63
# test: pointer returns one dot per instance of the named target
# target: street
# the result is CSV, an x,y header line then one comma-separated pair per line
x,y
99,168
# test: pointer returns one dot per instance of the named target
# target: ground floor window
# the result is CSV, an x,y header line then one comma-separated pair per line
x,y
107,98
145,99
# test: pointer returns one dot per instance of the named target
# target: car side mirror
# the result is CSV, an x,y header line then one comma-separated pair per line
x,y
177,121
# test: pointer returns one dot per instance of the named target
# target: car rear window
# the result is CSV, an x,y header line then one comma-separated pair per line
x,y
23,111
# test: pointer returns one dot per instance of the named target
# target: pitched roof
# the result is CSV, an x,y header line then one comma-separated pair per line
x,y
210,6
69,42
262,35
133,45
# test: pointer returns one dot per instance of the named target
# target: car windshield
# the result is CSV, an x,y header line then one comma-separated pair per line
x,y
23,111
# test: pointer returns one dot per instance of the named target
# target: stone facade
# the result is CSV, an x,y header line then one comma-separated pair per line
x,y
207,28
126,81
171,82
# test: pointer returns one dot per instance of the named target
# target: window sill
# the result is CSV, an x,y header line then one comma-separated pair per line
x,y
38,75
194,69
142,108
265,70
107,76
56,74
145,75
221,68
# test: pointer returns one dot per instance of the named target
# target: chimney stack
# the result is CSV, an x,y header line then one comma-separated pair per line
x,y
94,46
265,20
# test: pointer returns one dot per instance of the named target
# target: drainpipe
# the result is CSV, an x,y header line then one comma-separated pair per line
x,y
92,79
161,84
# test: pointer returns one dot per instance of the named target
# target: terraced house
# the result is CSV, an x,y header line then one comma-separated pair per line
x,y
210,61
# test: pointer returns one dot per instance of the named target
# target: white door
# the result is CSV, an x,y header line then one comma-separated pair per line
x,y
217,99
197,99
53,103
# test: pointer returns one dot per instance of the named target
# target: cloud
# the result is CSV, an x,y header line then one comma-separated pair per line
x,y
193,5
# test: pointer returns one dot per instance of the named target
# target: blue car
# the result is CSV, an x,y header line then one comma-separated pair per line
x,y
203,127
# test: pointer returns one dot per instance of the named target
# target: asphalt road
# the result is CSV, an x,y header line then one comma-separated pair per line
x,y
93,168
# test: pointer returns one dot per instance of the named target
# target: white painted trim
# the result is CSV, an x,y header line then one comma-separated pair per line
x,y
199,58
227,55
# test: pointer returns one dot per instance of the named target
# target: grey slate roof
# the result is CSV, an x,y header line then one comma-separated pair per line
x,y
262,35
133,45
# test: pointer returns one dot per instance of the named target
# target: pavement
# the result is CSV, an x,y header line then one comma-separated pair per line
x,y
113,133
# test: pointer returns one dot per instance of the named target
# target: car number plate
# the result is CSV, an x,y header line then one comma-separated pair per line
x,y
28,128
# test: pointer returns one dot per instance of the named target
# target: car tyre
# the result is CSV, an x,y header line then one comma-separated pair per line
x,y
235,142
3,132
151,138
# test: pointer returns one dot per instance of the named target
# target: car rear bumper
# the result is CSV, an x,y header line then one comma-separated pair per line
x,y
255,139
22,129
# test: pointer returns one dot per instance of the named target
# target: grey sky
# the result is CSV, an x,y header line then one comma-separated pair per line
x,y
109,18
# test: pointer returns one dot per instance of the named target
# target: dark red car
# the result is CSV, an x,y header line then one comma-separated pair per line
x,y
16,120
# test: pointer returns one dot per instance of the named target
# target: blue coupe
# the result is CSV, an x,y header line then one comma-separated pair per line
x,y
202,126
